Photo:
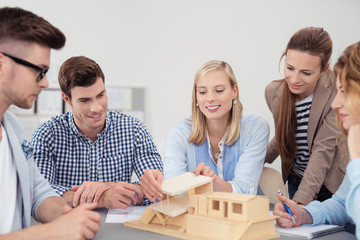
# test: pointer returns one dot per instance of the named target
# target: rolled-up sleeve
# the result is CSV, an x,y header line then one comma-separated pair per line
x,y
250,164
353,197
40,188
331,211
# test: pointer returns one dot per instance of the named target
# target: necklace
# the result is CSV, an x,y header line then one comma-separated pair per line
x,y
216,152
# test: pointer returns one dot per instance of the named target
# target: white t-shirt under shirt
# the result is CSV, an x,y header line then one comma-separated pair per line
x,y
8,183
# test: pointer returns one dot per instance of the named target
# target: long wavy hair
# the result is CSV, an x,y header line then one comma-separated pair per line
x,y
317,42
347,69
199,129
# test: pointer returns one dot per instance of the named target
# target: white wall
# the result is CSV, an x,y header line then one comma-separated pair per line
x,y
159,44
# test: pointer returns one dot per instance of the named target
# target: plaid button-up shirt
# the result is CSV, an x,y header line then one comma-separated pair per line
x,y
66,157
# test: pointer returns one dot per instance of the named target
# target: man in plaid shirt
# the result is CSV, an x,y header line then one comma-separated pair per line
x,y
89,153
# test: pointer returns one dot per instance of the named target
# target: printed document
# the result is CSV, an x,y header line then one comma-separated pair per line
x,y
119,215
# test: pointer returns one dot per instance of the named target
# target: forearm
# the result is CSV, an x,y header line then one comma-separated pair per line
x,y
331,211
68,197
307,189
79,223
50,209
306,217
146,155
60,189
319,168
314,177
249,166
37,232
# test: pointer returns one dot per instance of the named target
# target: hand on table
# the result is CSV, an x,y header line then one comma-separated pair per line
x,y
121,195
77,223
89,192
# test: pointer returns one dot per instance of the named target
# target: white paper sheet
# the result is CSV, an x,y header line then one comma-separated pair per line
x,y
309,231
119,215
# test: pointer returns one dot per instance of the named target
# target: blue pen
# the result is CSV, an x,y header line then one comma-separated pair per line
x,y
287,208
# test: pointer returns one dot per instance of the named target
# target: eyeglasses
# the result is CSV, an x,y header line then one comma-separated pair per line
x,y
42,71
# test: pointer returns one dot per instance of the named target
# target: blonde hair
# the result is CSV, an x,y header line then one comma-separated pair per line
x,y
347,69
199,129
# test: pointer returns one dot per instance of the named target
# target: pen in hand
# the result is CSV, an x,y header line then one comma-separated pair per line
x,y
287,208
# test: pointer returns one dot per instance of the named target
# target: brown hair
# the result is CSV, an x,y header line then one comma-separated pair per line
x,y
199,130
317,42
78,71
21,25
347,69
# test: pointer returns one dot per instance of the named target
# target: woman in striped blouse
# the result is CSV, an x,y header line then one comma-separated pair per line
x,y
343,208
305,128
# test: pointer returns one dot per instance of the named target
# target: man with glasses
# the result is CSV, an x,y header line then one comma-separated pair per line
x,y
25,43
42,71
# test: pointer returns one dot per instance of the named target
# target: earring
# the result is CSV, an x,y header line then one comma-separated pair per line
x,y
234,101
197,104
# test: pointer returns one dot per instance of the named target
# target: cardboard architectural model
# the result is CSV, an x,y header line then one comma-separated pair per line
x,y
192,210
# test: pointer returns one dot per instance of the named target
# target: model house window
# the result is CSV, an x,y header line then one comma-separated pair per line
x,y
237,208
216,205
225,209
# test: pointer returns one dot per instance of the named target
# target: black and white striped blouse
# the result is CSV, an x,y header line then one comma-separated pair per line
x,y
302,152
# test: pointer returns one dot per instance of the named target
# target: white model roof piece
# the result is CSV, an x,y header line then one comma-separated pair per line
x,y
183,183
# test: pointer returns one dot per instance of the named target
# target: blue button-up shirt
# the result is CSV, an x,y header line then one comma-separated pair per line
x,y
240,164
66,157
344,205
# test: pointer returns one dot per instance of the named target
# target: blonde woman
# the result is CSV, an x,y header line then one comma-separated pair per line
x,y
218,141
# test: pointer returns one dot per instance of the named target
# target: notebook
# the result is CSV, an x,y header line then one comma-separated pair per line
x,y
309,231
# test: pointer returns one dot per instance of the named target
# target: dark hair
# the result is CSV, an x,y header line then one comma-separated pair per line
x,y
22,25
78,71
317,42
313,40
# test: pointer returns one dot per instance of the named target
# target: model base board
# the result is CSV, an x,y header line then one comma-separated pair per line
x,y
191,210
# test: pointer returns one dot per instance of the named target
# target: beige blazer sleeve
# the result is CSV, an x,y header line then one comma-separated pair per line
x,y
273,102
325,164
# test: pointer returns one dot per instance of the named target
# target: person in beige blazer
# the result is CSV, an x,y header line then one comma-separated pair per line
x,y
343,208
315,172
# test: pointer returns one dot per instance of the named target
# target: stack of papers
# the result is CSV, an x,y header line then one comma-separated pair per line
x,y
309,231
119,215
